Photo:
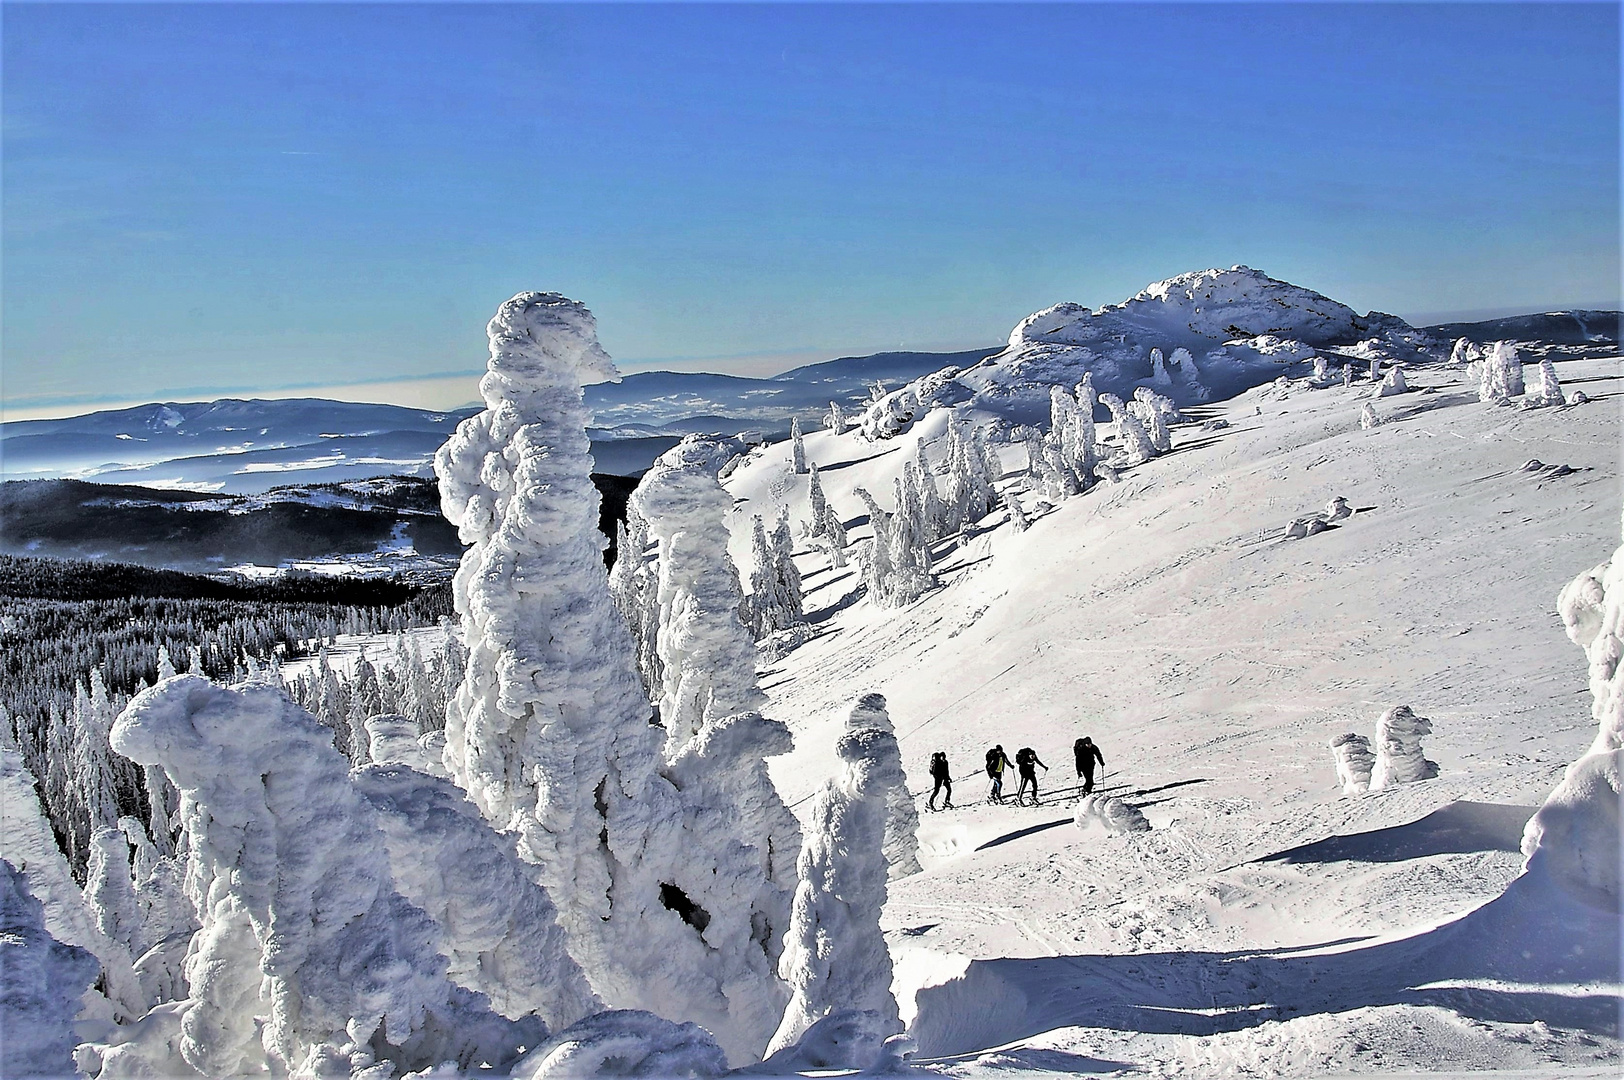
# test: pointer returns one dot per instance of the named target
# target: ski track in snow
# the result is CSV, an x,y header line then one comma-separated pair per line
x,y
1212,662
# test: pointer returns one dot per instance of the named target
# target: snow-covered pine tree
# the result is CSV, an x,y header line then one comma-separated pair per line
x,y
708,655
1017,516
876,554
549,733
1460,355
1136,445
788,575
1548,391
1149,412
836,419
835,956
930,497
1158,369
910,543
797,448
818,503
901,815
835,534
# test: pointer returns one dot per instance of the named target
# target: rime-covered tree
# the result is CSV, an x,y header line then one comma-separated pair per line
x,y
901,815
930,497
818,503
836,418
1548,391
835,955
708,655
910,540
797,448
1137,447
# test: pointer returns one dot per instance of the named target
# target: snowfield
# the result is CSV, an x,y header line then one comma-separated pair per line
x,y
1267,924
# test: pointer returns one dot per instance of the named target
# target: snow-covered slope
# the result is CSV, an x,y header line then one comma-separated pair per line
x,y
1267,924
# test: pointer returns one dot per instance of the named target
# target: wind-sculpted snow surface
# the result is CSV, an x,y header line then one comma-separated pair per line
x,y
1109,813
708,656
835,956
307,956
1399,758
41,983
625,1043
498,929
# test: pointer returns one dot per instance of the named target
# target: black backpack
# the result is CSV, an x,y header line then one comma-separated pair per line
x,y
938,764
1026,756
992,762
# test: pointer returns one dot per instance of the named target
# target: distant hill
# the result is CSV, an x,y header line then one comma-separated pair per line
x,y
389,525
1565,328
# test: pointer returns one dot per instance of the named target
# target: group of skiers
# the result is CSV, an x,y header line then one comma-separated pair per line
x,y
1026,763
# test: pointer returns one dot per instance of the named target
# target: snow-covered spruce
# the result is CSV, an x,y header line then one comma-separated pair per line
x,y
1153,411
1548,391
1136,445
43,983
1573,841
835,419
911,536
1322,371
835,537
817,503
110,889
797,447
1017,516
622,1043
1500,374
1399,758
1460,355
889,416
1367,417
1354,762
549,732
498,929
707,655
901,816
835,956
931,508
1109,813
1392,385
775,583
307,955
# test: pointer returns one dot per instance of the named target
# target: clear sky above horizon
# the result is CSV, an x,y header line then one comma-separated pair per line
x,y
205,200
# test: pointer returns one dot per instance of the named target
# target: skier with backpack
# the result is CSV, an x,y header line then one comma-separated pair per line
x,y
1087,754
1026,760
996,764
943,778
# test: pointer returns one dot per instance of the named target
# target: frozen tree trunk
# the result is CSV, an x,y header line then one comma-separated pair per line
x,y
835,956
707,655
498,929
1354,762
44,982
1399,759
797,448
1136,445
307,953
901,815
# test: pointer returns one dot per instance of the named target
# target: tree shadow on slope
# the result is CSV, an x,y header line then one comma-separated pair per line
x,y
1533,935
1459,828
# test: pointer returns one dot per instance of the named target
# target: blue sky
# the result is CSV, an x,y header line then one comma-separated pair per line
x,y
201,200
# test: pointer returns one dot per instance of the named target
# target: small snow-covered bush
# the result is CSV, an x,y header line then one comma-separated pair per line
x,y
1109,813
1399,759
1354,762
1393,384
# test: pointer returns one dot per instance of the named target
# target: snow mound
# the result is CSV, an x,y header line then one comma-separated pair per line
x,y
392,739
1399,759
1109,813
42,981
845,1039
626,1042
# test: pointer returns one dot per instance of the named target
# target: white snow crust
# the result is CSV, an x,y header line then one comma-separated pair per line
x,y
41,985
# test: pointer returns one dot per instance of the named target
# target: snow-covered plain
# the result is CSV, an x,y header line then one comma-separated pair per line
x,y
1267,924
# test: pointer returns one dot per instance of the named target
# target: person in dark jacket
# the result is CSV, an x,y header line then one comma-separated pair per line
x,y
1026,760
996,764
943,779
1087,755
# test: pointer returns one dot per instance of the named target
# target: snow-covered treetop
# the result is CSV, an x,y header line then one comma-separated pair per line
x,y
543,339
